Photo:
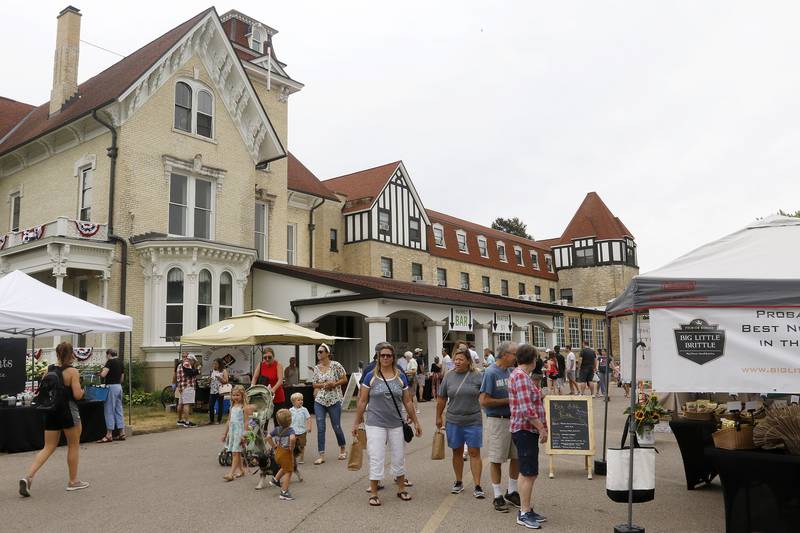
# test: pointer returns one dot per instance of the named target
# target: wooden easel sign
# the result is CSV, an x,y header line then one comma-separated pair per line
x,y
571,429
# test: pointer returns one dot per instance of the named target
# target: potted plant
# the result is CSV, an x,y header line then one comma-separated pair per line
x,y
646,415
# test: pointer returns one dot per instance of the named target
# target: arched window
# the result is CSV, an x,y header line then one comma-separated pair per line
x,y
205,113
203,299
183,107
174,322
225,296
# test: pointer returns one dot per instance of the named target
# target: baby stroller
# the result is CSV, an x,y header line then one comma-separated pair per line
x,y
260,397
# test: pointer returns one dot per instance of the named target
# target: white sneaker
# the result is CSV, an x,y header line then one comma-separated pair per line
x,y
77,486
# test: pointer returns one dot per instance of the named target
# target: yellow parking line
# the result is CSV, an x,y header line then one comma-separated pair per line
x,y
433,522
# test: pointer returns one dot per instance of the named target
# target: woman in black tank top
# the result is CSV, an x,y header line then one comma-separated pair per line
x,y
64,417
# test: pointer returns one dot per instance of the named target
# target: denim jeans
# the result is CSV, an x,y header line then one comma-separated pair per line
x,y
215,404
603,378
335,412
113,408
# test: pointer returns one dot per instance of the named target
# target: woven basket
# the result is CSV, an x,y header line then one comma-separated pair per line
x,y
734,439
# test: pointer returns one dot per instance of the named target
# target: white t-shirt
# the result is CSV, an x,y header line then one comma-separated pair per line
x,y
448,362
411,366
475,359
570,362
402,363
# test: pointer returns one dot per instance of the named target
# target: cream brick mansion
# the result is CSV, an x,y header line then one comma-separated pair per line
x,y
163,188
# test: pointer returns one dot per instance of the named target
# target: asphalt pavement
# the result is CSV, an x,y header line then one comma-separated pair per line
x,y
171,481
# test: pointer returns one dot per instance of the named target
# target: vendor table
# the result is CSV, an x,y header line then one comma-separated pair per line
x,y
693,437
22,428
308,395
760,489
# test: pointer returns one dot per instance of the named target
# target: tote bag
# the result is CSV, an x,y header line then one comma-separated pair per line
x,y
618,469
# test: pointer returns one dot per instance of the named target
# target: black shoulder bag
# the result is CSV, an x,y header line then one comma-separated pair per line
x,y
408,433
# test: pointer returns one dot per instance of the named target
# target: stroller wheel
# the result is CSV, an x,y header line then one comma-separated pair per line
x,y
228,458
221,458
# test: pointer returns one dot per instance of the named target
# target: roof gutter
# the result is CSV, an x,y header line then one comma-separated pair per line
x,y
112,153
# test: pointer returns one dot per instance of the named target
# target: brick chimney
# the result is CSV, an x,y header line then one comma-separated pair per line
x,y
65,66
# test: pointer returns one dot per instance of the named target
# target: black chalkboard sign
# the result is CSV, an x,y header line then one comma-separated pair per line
x,y
12,365
571,425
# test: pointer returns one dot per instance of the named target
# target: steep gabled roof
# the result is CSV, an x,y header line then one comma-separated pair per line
x,y
99,90
362,187
11,113
303,180
593,219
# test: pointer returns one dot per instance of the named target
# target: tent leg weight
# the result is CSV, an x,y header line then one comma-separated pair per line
x,y
600,468
625,528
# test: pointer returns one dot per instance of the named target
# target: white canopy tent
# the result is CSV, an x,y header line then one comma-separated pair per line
x,y
723,317
30,308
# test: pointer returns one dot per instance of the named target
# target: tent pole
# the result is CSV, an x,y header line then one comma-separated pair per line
x,y
130,378
33,361
632,419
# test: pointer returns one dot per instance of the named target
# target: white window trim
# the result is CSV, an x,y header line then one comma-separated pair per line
x,y
265,236
81,177
190,206
503,256
485,252
293,248
462,233
440,228
196,86
535,260
258,33
521,261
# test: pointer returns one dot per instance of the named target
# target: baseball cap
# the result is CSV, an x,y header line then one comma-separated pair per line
x,y
417,350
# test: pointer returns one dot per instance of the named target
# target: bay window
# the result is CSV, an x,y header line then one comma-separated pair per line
x,y
225,296
203,299
174,318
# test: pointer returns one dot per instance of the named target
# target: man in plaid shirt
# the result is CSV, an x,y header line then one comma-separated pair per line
x,y
528,428
185,386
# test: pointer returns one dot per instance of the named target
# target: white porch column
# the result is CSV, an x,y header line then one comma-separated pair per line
x,y
376,328
307,356
104,277
435,330
481,338
59,273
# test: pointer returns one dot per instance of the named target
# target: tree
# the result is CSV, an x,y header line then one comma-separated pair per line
x,y
514,226
796,214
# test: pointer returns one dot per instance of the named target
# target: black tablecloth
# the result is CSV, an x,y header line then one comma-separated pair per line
x,y
761,489
693,437
22,428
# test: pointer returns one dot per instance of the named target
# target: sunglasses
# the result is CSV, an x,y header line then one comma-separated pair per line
x,y
321,351
387,355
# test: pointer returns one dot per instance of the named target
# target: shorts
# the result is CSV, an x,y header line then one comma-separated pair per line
x,y
527,444
571,375
285,459
66,417
498,440
458,435
301,441
586,375
187,396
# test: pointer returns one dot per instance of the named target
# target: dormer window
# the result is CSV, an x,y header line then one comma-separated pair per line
x,y
501,251
414,230
548,261
462,241
630,252
438,235
534,259
384,222
191,96
255,44
482,247
518,255
258,37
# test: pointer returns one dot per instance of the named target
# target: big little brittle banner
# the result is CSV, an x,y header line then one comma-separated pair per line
x,y
726,350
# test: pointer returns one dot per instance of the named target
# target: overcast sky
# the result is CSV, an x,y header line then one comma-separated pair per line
x,y
683,116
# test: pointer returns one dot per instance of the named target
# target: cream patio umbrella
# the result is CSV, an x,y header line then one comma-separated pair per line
x,y
253,328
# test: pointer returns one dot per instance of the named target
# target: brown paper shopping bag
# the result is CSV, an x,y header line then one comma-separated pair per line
x,y
355,455
437,451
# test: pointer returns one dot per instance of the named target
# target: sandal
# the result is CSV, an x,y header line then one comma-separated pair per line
x,y
342,456
405,496
238,475
104,439
228,477
120,437
319,461
374,501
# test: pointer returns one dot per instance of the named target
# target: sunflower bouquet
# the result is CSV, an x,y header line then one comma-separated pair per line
x,y
647,414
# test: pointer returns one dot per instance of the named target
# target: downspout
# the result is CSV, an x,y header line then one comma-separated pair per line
x,y
112,153
296,347
311,227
